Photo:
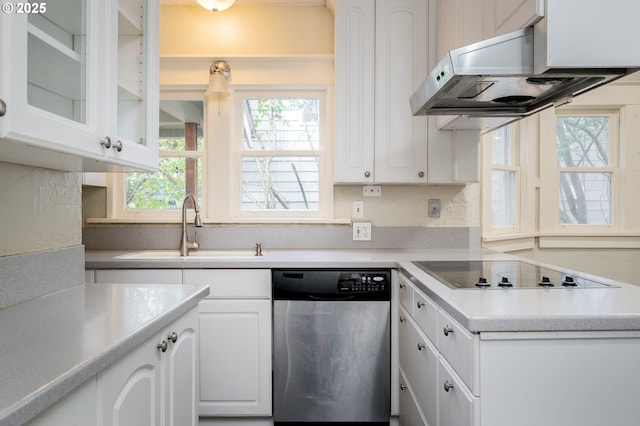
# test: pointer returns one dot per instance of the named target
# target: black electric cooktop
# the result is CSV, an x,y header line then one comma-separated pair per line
x,y
503,275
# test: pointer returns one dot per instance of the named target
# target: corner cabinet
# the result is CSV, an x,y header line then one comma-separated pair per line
x,y
79,84
381,57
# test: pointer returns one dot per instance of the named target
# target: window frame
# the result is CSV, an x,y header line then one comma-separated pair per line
x,y
550,177
237,152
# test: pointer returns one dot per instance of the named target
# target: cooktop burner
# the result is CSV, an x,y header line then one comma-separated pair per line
x,y
502,275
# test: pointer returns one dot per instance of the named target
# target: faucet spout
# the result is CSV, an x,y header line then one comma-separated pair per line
x,y
185,244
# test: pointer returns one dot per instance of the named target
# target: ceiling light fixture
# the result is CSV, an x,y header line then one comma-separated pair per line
x,y
216,5
219,73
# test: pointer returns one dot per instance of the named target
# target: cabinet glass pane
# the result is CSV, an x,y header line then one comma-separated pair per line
x,y
131,71
56,61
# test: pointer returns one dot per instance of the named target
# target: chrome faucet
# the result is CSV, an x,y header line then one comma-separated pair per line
x,y
185,244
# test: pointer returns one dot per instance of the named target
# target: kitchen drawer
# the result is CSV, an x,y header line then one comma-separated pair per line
x,y
232,283
419,361
461,350
456,405
405,293
409,413
425,313
139,276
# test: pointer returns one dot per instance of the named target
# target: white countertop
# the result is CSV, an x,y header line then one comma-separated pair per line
x,y
54,343
537,309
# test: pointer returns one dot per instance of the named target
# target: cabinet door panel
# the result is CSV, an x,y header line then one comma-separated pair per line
x,y
130,389
409,412
456,405
235,357
181,371
354,115
401,65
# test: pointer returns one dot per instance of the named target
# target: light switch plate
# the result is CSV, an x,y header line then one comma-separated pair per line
x,y
358,210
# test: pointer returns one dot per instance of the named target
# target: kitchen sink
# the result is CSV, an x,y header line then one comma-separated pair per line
x,y
193,254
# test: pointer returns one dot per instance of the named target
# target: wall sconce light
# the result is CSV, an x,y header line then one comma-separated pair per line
x,y
216,5
219,73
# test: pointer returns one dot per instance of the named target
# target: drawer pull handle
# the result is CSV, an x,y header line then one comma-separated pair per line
x,y
403,387
163,346
402,285
420,304
448,386
421,346
173,337
447,330
402,318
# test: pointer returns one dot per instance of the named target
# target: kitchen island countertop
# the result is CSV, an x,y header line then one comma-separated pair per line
x,y
55,343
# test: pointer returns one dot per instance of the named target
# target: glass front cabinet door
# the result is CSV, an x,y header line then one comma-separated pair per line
x,y
79,85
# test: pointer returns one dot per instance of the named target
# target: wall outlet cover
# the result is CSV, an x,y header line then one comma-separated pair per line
x,y
361,231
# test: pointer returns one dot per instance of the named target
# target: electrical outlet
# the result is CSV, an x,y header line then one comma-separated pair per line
x,y
372,191
361,231
358,210
434,207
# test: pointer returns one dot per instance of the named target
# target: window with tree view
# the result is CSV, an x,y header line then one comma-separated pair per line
x,y
586,162
181,160
281,153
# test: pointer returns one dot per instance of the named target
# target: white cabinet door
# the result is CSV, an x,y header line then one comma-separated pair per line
x,y
354,62
456,405
409,412
508,15
130,389
180,370
235,357
401,65
67,106
381,57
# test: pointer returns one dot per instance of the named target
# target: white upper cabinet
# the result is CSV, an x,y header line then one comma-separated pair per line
x,y
504,16
381,57
79,84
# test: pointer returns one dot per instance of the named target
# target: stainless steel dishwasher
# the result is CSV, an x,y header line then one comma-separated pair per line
x,y
331,346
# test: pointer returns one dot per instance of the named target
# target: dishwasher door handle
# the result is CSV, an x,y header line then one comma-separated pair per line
x,y
330,299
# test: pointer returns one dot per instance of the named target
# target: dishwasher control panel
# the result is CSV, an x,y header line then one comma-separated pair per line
x,y
356,282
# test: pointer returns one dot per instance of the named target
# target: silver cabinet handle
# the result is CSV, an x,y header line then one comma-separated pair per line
x,y
402,318
367,174
106,142
421,174
118,146
420,304
163,346
446,330
3,108
403,387
402,285
448,386
421,346
173,337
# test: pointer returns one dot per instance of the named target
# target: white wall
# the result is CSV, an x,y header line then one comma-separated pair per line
x,y
41,209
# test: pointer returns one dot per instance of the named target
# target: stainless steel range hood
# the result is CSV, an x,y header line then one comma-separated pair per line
x,y
511,76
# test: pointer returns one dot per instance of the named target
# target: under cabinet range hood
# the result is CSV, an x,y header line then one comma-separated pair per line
x,y
517,74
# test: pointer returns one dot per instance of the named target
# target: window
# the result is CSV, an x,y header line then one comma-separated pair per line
x,y
280,154
502,181
579,178
182,158
583,150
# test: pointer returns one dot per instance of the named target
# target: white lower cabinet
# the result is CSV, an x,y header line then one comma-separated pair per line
x,y
153,385
410,414
235,342
456,404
